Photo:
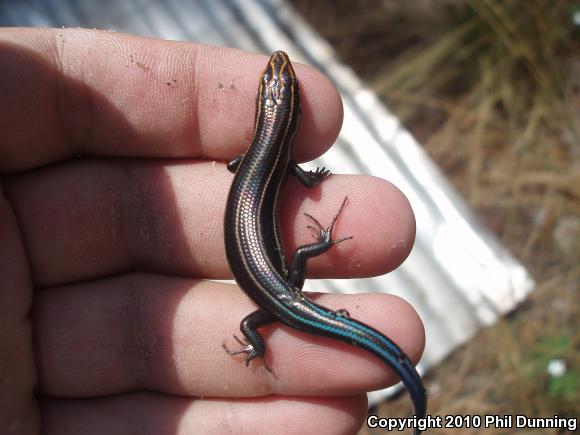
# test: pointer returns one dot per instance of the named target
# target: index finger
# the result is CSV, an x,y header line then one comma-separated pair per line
x,y
70,92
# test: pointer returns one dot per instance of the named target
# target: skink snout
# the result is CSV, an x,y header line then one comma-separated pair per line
x,y
278,79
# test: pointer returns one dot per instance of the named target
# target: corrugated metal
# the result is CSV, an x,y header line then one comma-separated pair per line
x,y
458,276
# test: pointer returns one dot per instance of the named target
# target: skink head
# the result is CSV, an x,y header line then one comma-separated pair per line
x,y
279,84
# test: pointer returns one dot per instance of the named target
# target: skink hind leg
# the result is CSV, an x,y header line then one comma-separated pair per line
x,y
324,243
253,345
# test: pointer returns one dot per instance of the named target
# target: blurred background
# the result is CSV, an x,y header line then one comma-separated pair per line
x,y
490,91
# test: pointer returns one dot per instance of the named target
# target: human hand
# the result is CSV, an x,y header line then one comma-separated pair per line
x,y
111,228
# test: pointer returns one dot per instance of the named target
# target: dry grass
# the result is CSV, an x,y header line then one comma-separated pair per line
x,y
491,89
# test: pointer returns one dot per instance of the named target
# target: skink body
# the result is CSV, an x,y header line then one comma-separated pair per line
x,y
254,244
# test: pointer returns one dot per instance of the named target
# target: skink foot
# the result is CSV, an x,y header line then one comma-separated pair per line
x,y
248,349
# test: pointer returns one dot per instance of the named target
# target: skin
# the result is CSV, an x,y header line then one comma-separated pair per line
x,y
112,160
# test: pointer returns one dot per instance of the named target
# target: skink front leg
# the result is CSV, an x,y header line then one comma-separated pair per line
x,y
308,178
235,163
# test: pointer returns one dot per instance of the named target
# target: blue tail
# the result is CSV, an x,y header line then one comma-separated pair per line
x,y
321,321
